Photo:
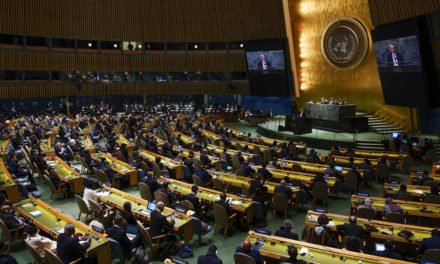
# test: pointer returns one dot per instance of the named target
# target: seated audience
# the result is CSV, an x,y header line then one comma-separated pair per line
x,y
285,230
248,249
38,242
222,202
391,207
352,228
430,243
293,255
69,248
210,257
131,220
118,232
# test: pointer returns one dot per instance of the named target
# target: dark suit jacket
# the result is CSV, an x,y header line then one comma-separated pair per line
x,y
254,253
282,232
194,200
352,230
429,243
260,65
158,223
398,56
291,261
10,221
129,218
209,259
225,205
69,248
286,190
120,234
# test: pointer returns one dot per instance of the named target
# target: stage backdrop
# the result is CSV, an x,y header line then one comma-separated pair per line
x,y
278,105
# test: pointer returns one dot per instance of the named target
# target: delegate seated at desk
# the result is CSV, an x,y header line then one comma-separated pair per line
x,y
248,249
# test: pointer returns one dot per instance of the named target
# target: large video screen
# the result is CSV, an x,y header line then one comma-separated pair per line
x,y
403,53
265,61
268,70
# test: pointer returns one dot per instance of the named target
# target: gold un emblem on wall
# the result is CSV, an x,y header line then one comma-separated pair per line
x,y
345,43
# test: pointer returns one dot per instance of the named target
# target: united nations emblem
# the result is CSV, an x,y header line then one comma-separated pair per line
x,y
345,43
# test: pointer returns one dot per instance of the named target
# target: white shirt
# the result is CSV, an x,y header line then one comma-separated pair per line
x,y
395,61
90,194
39,243
263,63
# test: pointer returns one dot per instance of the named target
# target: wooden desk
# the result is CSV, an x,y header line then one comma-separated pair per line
x,y
87,144
414,177
276,247
311,167
217,150
237,181
383,227
239,204
215,161
52,222
376,154
305,178
169,163
186,139
46,144
416,191
4,146
67,174
436,167
252,146
301,147
344,160
9,185
120,140
118,166
86,131
117,198
211,135
409,207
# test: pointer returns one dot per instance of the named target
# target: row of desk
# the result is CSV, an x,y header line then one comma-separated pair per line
x,y
118,166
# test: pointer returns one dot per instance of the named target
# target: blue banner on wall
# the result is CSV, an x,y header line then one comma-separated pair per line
x,y
278,105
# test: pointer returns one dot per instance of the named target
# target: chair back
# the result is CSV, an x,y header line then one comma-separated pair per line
x,y
50,183
148,242
218,185
116,251
267,155
71,153
187,176
406,164
240,258
245,189
405,197
101,176
280,202
435,199
351,181
382,172
429,156
297,167
94,206
431,256
258,210
143,165
162,197
6,235
51,257
257,151
196,226
156,170
240,172
431,184
220,216
35,254
197,181
235,162
188,205
353,242
198,164
395,218
364,212
145,191
130,157
81,204
223,156
319,190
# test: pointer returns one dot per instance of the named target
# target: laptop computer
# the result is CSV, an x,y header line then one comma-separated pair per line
x,y
379,247
338,168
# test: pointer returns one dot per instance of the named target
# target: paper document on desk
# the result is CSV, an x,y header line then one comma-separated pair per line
x,y
131,236
27,205
35,213
331,223
103,194
236,202
418,191
303,251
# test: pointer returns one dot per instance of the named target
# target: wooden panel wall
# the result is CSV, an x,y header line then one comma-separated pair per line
x,y
31,61
387,11
36,90
144,20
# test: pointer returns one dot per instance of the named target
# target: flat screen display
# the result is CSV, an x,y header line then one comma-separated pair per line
x,y
402,53
265,61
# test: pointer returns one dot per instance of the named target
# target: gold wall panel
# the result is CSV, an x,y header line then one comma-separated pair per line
x,y
144,20
42,90
317,78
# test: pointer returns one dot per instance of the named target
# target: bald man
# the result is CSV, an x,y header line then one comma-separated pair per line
x,y
283,188
159,224
352,228
248,249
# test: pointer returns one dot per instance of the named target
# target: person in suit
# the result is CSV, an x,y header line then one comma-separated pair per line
x,y
38,242
246,169
148,180
283,188
263,63
285,230
430,243
293,255
248,249
389,251
352,228
210,257
394,58
403,189
69,248
160,223
264,172
167,191
131,220
206,161
192,197
118,233
204,176
222,202
11,221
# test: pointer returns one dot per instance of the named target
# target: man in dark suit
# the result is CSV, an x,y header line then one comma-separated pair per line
x,y
264,172
394,58
206,161
283,188
204,176
222,202
284,231
192,197
210,257
246,169
159,222
69,248
248,249
118,233
352,228
389,251
293,255
263,63
430,243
